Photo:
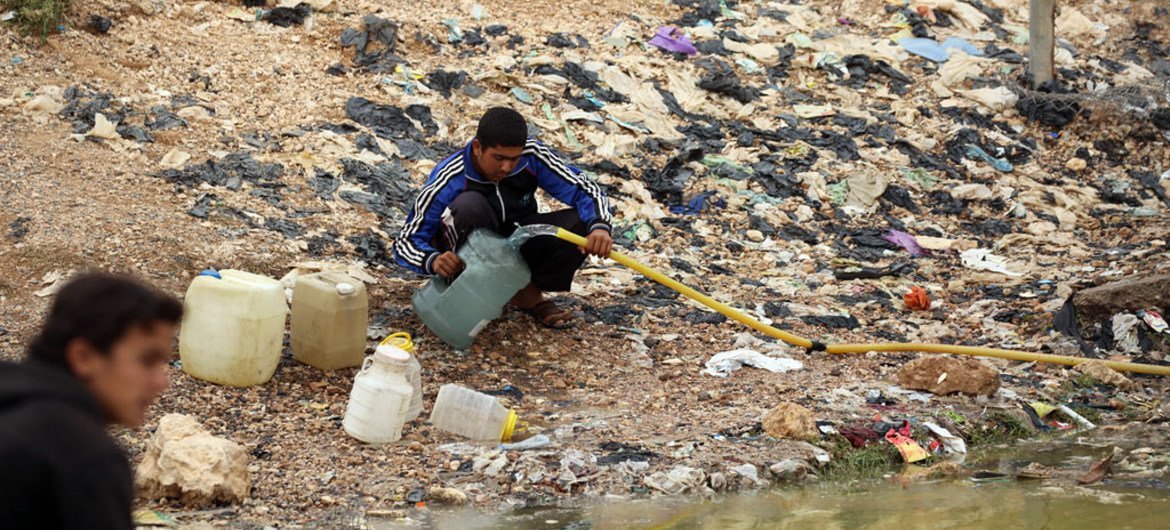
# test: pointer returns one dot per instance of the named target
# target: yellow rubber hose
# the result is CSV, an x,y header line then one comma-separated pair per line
x,y
802,342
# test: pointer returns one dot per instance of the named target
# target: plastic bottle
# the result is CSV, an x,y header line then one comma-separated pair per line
x,y
330,314
457,311
233,328
471,414
380,396
403,341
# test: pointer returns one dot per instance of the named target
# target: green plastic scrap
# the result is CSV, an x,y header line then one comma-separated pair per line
x,y
749,66
630,126
924,179
454,34
1019,34
839,192
639,231
728,12
573,143
521,95
759,198
796,151
720,160
800,40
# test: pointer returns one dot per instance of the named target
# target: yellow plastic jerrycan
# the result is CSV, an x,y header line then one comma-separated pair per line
x,y
233,328
330,314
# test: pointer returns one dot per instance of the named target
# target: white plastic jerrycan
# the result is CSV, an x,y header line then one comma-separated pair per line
x,y
380,397
469,413
403,341
330,314
233,327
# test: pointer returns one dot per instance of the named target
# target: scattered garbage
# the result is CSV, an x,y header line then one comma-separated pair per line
x,y
917,299
673,40
471,414
288,16
535,442
909,449
807,167
677,481
951,443
99,24
982,259
1099,468
722,364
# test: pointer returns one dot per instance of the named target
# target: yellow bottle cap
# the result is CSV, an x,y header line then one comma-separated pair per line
x,y
509,426
401,340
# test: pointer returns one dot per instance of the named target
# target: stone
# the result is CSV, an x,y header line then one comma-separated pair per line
x,y
174,159
755,236
446,496
183,461
973,192
1099,371
948,375
1076,164
791,421
43,104
1098,304
1041,228
792,470
151,7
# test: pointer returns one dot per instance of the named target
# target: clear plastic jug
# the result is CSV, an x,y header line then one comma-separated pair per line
x,y
494,273
404,342
330,314
233,328
380,397
471,414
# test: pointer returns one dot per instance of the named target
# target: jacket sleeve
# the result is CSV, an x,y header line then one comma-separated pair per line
x,y
568,185
413,248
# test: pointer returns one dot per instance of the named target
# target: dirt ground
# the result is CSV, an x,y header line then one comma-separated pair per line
x,y
98,205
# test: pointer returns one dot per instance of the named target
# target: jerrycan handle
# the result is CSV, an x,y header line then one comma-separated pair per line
x,y
366,364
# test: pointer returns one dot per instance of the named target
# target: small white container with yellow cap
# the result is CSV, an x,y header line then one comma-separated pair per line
x,y
380,397
403,341
471,414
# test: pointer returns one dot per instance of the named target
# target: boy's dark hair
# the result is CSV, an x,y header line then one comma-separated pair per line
x,y
501,126
100,308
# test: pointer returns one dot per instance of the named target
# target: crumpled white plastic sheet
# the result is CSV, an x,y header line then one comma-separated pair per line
x,y
722,364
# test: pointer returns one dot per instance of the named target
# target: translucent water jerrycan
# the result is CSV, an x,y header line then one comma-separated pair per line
x,y
472,414
494,272
233,328
330,315
404,342
380,397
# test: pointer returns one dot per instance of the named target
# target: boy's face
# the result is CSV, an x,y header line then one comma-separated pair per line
x,y
128,379
496,163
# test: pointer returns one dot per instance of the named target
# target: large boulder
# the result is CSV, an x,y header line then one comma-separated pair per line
x,y
948,375
791,421
183,461
1099,303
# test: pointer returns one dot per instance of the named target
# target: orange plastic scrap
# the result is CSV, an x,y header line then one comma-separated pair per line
x,y
917,299
910,450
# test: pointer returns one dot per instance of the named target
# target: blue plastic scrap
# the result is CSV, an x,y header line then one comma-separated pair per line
x,y
1002,165
697,204
931,50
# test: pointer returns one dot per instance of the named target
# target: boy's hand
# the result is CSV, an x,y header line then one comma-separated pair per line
x,y
599,243
448,265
